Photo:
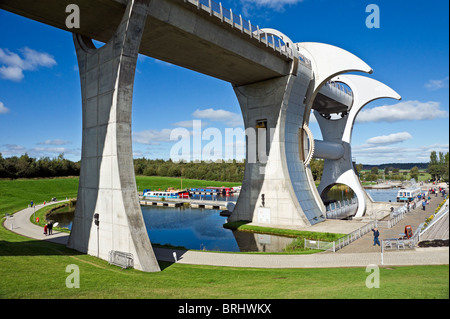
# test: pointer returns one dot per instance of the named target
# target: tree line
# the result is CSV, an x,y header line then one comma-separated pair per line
x,y
390,173
225,171
437,167
212,171
29,167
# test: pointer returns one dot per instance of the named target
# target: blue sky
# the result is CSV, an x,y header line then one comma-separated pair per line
x,y
40,98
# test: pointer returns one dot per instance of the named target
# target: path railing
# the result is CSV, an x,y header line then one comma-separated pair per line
x,y
342,209
121,259
340,87
401,243
341,242
397,215
434,218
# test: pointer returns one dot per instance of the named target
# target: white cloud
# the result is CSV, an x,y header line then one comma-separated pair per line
x,y
11,73
12,65
434,85
389,139
9,150
13,149
227,117
403,111
277,5
190,124
3,108
54,142
152,137
382,154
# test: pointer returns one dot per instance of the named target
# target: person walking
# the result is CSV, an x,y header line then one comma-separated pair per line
x,y
424,204
50,228
45,229
376,234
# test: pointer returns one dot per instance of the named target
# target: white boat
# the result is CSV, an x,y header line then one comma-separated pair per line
x,y
408,194
160,194
236,189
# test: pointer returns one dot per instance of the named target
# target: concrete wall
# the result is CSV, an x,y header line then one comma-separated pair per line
x,y
107,183
281,177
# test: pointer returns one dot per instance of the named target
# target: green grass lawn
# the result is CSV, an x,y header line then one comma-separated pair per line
x,y
423,174
17,194
37,269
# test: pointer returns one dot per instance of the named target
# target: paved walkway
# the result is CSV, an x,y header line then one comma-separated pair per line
x,y
20,223
358,254
414,218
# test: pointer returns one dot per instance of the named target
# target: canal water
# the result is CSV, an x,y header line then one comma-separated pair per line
x,y
383,195
188,227
202,229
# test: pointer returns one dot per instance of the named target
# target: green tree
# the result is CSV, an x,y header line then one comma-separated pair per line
x,y
414,173
438,166
374,170
316,166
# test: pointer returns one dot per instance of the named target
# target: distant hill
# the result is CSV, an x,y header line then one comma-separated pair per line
x,y
407,166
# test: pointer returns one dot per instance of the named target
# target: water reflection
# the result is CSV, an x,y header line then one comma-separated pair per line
x,y
340,192
231,198
203,229
249,242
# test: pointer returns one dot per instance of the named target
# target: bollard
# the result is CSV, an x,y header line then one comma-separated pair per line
x,y
175,256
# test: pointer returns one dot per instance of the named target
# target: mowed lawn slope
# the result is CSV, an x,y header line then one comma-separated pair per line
x,y
17,194
37,269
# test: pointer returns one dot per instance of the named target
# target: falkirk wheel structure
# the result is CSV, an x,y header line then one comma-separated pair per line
x,y
278,84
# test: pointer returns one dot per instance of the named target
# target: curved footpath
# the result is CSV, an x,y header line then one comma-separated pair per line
x,y
20,223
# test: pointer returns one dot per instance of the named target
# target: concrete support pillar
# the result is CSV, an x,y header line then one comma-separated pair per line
x,y
107,184
340,170
275,190
327,62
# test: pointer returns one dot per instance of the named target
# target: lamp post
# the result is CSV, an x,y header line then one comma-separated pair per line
x,y
97,223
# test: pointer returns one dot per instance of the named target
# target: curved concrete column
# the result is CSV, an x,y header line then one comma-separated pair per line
x,y
339,132
275,189
107,184
327,62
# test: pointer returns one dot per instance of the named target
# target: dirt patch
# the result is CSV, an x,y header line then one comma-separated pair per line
x,y
434,243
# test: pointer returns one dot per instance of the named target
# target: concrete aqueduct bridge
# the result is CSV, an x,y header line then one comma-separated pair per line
x,y
277,82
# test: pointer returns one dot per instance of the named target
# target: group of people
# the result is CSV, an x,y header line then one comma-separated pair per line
x,y
435,191
425,201
48,228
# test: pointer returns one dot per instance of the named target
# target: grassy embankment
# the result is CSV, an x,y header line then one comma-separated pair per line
x,y
17,194
37,269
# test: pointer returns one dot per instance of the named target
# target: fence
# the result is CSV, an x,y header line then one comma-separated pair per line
x,y
342,209
435,218
397,215
410,243
321,245
341,242
393,243
121,259
236,21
